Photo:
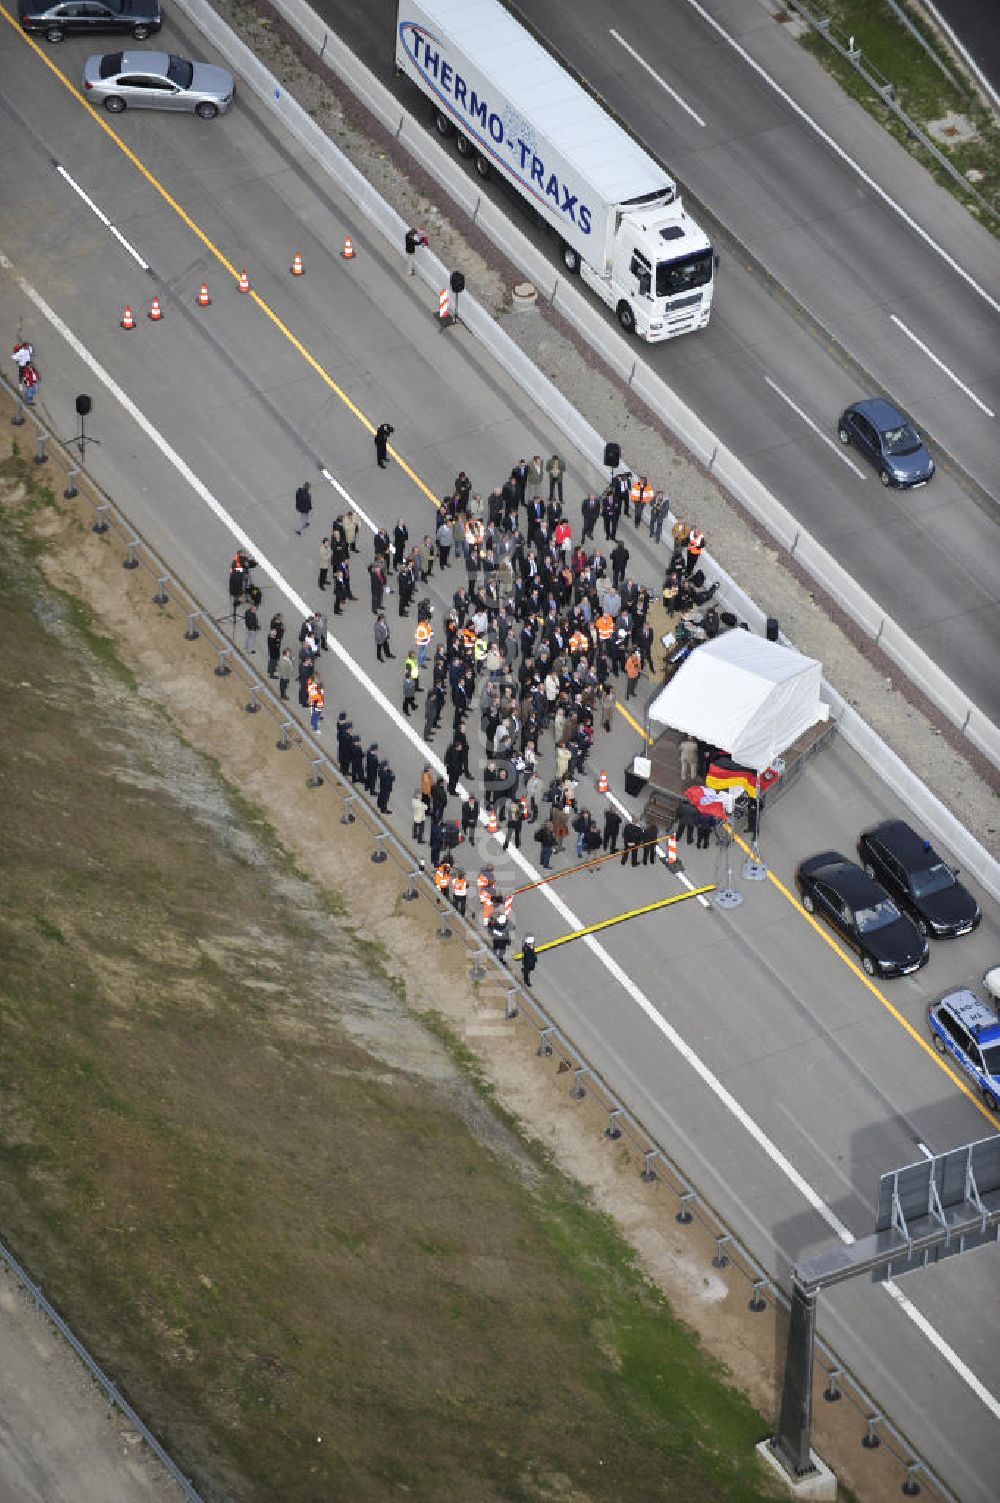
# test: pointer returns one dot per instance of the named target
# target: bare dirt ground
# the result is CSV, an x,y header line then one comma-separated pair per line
x,y
177,675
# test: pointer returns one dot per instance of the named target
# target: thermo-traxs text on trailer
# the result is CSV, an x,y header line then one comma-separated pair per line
x,y
512,106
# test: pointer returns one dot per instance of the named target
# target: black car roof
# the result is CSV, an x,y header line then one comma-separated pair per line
x,y
846,877
904,842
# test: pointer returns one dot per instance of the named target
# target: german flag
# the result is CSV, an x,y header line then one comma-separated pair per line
x,y
723,772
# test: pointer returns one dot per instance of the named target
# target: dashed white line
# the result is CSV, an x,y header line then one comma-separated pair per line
x,y
125,244
353,505
607,961
936,360
662,82
839,151
815,428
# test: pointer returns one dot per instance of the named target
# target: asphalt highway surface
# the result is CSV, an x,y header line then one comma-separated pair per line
x,y
861,275
779,1077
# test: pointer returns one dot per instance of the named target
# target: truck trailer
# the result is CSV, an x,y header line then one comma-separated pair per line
x,y
512,106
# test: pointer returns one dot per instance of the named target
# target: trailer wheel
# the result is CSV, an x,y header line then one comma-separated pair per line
x,y
571,259
483,168
442,124
626,317
463,145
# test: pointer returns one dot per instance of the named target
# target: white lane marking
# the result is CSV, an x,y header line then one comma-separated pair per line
x,y
778,1159
682,877
865,177
837,449
125,244
947,1351
662,83
941,365
352,505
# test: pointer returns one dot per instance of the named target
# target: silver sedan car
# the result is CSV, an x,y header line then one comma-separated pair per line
x,y
157,81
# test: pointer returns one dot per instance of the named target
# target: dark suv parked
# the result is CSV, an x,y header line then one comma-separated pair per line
x,y
135,18
922,884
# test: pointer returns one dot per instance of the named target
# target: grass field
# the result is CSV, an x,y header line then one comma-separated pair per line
x,y
318,1275
921,88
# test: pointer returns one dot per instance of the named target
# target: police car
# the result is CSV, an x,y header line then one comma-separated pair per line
x,y
964,1027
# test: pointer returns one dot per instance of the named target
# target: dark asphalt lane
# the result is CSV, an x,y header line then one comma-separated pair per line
x,y
976,23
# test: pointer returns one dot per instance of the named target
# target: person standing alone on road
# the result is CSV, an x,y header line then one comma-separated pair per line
x,y
303,506
383,433
529,959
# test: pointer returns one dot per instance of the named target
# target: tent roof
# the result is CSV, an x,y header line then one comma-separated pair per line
x,y
750,697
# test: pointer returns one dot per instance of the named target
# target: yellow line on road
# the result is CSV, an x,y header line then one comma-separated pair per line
x,y
214,250
633,722
619,918
866,980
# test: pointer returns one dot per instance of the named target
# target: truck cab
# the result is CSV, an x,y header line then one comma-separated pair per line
x,y
661,273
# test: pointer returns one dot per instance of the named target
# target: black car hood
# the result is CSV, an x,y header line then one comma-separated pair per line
x,y
952,906
899,942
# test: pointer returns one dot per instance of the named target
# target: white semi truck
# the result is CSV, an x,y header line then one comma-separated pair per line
x,y
510,104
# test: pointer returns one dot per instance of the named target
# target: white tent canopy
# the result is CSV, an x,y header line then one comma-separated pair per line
x,y
746,695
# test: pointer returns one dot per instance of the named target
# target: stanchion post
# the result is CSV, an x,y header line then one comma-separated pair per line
x,y
832,1392
347,818
251,705
101,517
71,489
757,1301
315,778
161,597
17,421
40,456
544,1046
685,1215
478,969
613,1131
578,1090
222,668
648,1173
411,887
510,1010
443,928
284,741
721,1259
911,1487
871,1440
192,634
131,559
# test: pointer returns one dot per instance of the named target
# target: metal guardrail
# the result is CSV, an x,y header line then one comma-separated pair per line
x,y
886,90
831,1377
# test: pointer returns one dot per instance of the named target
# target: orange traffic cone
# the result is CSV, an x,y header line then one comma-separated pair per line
x,y
203,297
491,822
128,322
602,782
244,282
348,252
297,267
155,312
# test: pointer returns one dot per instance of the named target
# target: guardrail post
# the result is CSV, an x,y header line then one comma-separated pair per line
x,y
478,969
411,887
510,1010
18,419
131,559
40,456
379,854
222,668
578,1090
832,1392
443,928
251,705
685,1215
911,1487
648,1174
544,1047
284,741
101,517
758,1302
192,634
315,778
613,1131
721,1259
161,597
871,1440
71,489
347,818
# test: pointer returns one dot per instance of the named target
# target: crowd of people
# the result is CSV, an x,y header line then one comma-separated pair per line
x,y
539,627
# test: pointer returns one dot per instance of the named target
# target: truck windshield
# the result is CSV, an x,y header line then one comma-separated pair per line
x,y
683,275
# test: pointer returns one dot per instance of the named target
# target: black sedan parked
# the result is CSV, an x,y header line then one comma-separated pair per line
x,y
135,18
862,913
923,886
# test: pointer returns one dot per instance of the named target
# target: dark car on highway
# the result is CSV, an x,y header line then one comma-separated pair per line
x,y
923,885
888,440
862,913
136,18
